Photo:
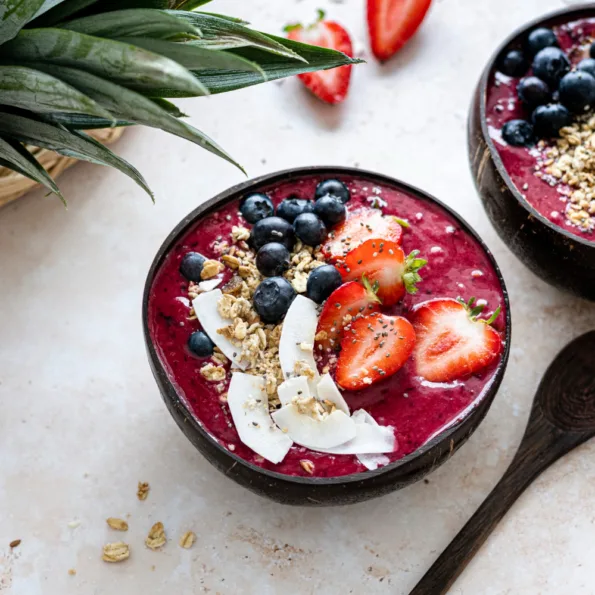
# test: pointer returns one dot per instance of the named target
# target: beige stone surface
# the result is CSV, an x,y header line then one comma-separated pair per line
x,y
81,420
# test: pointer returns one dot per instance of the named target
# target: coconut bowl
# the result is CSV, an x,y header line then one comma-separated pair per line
x,y
315,491
559,257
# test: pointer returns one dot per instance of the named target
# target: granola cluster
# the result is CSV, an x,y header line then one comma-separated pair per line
x,y
258,343
572,162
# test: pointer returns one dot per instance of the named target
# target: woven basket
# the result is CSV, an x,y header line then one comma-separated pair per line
x,y
13,185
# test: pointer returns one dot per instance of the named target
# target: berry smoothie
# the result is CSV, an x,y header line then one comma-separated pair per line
x,y
413,406
547,148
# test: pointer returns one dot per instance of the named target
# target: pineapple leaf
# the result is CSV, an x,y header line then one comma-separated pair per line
x,y
197,58
170,108
59,12
222,34
128,105
70,143
226,18
80,121
274,66
24,162
123,63
188,4
39,92
14,15
140,22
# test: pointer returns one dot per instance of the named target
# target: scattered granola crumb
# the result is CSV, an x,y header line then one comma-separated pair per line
x,y
71,571
307,466
239,234
156,537
212,373
187,540
117,524
14,543
153,567
143,490
210,269
116,552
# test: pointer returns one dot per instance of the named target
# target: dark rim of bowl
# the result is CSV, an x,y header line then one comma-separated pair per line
x,y
574,13
234,193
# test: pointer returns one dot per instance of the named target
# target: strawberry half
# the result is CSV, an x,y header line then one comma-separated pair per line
x,y
357,228
352,300
373,348
452,342
329,85
391,23
385,263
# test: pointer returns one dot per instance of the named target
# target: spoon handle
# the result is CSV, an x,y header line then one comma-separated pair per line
x,y
542,445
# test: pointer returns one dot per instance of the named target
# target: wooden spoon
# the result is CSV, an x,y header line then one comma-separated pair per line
x,y
562,418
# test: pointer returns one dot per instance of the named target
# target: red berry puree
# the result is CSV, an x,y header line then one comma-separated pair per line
x,y
546,194
417,409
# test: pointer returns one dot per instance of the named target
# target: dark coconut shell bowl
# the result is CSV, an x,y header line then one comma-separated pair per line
x,y
559,257
304,490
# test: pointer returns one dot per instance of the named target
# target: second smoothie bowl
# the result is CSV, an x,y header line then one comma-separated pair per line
x,y
326,335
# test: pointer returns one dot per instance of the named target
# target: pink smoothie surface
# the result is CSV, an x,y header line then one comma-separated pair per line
x,y
502,105
418,410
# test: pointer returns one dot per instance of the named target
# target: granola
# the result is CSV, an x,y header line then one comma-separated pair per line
x,y
143,490
117,524
187,540
156,537
116,552
213,373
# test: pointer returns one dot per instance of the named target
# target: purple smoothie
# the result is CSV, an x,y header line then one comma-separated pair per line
x,y
418,410
502,105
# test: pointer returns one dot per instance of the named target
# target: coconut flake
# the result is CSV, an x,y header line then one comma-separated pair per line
x,y
299,328
375,460
249,406
328,391
294,387
205,307
369,439
210,284
337,428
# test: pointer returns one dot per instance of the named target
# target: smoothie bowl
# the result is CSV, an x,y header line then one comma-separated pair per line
x,y
326,335
532,146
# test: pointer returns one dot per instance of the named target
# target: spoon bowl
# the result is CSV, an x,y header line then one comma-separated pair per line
x,y
562,418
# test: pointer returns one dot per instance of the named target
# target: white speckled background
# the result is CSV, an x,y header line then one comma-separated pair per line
x,y
81,420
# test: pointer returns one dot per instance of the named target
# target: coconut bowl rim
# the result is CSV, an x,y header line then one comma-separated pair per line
x,y
479,407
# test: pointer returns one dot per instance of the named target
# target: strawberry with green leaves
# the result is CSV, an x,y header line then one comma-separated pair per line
x,y
452,341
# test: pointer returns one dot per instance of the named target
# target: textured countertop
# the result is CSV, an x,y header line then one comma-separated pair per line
x,y
81,420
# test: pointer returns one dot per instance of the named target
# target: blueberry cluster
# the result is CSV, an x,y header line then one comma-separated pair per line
x,y
274,234
553,93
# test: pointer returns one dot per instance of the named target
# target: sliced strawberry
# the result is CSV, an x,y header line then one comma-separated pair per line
x,y
391,23
373,348
357,228
329,85
452,342
352,300
384,262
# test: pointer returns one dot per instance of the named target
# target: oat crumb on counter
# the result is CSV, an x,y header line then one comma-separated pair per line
x,y
143,490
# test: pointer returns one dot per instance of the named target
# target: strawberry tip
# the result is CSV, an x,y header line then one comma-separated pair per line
x,y
371,288
411,276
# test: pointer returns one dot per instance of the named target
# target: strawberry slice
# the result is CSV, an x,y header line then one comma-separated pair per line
x,y
357,228
329,85
351,300
452,342
373,348
385,263
391,23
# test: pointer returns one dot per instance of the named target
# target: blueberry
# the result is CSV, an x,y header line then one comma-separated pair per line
x,y
330,209
310,229
191,266
290,208
272,299
548,119
533,92
256,207
333,188
550,65
272,259
272,229
587,65
577,91
514,63
200,344
518,133
539,39
322,281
